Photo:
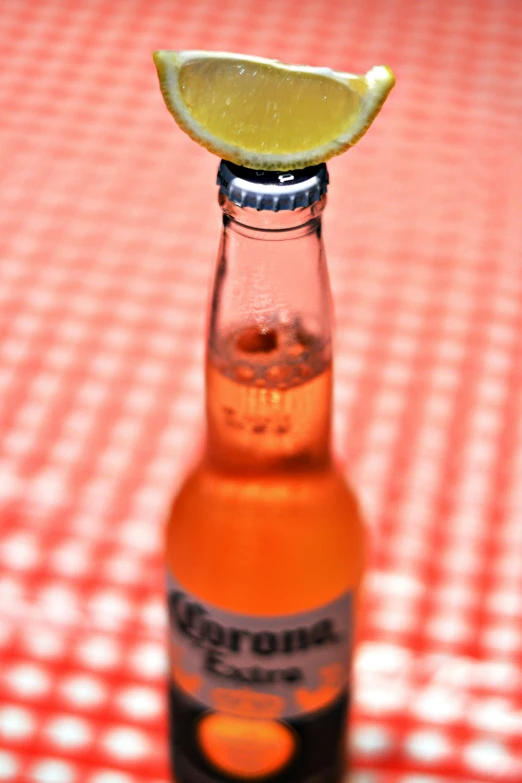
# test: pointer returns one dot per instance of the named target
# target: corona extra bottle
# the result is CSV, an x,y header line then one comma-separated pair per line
x,y
264,544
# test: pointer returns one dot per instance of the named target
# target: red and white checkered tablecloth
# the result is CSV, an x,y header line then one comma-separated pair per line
x,y
108,234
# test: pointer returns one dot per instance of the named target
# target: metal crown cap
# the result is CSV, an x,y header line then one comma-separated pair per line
x,y
272,190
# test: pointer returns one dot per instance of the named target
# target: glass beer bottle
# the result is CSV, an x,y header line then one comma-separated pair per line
x,y
264,544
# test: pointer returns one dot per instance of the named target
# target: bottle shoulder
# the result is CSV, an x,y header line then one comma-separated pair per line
x,y
266,544
293,491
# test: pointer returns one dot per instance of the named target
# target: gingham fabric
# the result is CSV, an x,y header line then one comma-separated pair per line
x,y
108,233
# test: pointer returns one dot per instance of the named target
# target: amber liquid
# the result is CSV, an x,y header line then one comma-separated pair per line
x,y
265,524
268,400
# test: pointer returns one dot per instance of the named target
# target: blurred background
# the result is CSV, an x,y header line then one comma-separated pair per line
x,y
108,234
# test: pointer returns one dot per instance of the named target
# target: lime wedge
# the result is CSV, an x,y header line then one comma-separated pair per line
x,y
266,115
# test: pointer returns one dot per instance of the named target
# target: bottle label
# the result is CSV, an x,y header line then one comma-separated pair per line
x,y
257,697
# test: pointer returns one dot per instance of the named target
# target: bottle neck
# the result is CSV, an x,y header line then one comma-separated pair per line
x,y
269,378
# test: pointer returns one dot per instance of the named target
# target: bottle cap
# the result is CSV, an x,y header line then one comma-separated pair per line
x,y
272,190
